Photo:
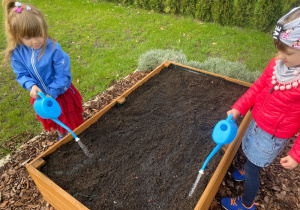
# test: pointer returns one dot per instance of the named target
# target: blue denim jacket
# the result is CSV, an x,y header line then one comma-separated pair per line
x,y
50,72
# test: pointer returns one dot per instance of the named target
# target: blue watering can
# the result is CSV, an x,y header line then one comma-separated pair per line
x,y
48,108
224,133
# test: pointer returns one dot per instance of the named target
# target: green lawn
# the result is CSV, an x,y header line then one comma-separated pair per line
x,y
105,40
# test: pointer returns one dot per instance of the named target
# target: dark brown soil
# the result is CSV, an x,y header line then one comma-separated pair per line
x,y
147,152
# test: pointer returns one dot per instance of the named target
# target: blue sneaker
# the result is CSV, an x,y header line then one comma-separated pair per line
x,y
235,204
239,175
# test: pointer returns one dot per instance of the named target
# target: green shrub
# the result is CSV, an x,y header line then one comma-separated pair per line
x,y
142,3
244,12
203,10
222,11
171,6
187,7
126,2
267,13
156,5
290,4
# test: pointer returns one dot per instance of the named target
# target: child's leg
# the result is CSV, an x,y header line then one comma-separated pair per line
x,y
61,134
252,183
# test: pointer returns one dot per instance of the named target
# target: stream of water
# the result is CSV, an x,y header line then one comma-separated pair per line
x,y
195,184
84,148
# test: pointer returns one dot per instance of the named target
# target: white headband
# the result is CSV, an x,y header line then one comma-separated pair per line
x,y
289,33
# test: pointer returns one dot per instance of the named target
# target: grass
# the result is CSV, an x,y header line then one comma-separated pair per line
x,y
104,41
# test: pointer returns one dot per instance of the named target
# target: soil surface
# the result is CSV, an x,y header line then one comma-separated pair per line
x,y
279,187
148,151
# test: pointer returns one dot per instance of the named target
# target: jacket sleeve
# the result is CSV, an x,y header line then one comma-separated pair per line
x,y
62,74
246,102
295,151
23,76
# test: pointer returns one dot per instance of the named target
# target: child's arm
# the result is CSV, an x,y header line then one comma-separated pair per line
x,y
62,76
247,101
288,162
23,76
235,113
294,154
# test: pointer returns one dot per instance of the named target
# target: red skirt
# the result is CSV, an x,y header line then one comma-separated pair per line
x,y
71,111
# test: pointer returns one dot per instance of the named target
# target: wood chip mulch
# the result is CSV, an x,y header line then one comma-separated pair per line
x,y
280,188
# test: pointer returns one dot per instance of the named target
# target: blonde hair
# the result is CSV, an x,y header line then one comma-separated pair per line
x,y
27,23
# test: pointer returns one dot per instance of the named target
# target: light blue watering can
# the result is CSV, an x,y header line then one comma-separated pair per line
x,y
48,108
224,133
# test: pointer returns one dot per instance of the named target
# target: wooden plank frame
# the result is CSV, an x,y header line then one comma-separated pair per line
x,y
60,199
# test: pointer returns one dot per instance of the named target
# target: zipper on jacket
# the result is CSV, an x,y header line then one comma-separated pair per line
x,y
36,71
263,104
271,91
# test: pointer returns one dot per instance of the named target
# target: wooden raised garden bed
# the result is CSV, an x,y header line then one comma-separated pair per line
x,y
148,146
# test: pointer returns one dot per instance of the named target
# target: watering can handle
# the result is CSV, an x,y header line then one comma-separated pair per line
x,y
229,118
41,95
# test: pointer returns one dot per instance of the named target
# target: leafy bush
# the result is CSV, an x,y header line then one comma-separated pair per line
x,y
156,5
142,3
290,4
127,2
203,10
222,11
244,12
171,6
261,14
267,13
187,7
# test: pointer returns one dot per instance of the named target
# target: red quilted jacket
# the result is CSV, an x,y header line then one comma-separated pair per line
x,y
275,111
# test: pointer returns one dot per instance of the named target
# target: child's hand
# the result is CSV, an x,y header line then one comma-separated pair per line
x,y
34,90
288,163
235,113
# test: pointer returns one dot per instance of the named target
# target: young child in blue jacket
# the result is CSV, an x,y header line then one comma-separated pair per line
x,y
40,64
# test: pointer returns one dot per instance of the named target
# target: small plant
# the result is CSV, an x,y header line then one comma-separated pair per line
x,y
230,69
151,59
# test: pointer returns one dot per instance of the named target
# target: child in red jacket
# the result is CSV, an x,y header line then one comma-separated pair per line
x,y
275,102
